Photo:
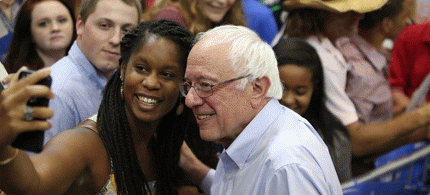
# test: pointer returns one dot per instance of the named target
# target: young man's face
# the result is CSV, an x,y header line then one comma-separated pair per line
x,y
100,35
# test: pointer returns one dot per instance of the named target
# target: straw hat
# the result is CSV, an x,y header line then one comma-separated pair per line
x,y
340,6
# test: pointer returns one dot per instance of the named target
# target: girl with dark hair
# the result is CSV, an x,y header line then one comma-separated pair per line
x,y
43,34
132,145
301,74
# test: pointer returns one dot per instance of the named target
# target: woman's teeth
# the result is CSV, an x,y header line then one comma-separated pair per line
x,y
201,117
148,101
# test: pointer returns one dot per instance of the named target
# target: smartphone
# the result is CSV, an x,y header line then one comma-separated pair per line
x,y
33,140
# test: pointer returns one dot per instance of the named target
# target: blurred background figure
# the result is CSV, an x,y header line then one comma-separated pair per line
x,y
198,15
260,19
329,27
278,13
43,34
422,11
410,64
378,26
8,11
367,81
385,23
302,76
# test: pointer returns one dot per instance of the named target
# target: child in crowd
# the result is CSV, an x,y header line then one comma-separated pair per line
x,y
302,76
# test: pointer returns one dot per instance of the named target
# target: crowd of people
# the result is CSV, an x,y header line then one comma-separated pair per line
x,y
200,97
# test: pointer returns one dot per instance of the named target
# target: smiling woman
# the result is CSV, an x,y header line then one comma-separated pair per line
x,y
44,32
151,79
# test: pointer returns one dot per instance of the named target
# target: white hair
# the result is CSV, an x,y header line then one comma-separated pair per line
x,y
248,55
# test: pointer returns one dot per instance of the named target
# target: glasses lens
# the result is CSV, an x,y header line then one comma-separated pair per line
x,y
205,89
202,89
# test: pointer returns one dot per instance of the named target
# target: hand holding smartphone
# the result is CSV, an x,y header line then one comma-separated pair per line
x,y
32,140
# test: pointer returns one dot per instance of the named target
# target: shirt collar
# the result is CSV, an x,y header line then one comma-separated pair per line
x,y
245,143
325,44
377,59
86,67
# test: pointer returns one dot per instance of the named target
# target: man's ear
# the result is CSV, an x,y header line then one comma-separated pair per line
x,y
259,88
387,25
79,26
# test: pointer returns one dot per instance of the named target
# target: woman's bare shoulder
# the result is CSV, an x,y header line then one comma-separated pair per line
x,y
79,152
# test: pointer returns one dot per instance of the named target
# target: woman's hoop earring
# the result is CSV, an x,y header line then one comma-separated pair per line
x,y
121,90
180,107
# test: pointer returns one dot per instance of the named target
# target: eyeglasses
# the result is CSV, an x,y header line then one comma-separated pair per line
x,y
204,89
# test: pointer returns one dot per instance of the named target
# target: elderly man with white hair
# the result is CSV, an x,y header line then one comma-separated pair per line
x,y
232,85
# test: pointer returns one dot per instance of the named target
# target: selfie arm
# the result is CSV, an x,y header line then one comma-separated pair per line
x,y
13,101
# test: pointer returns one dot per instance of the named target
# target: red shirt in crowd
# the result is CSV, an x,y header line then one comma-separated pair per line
x,y
411,59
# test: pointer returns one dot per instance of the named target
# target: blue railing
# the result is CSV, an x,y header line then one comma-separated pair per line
x,y
408,174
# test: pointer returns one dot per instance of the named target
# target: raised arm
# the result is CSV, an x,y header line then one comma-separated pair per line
x,y
63,159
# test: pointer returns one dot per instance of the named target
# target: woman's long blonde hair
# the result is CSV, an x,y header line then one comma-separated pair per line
x,y
195,20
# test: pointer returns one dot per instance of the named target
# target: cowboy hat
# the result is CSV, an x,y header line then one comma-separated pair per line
x,y
340,6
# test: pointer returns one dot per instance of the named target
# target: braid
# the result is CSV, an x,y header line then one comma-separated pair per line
x,y
116,135
115,130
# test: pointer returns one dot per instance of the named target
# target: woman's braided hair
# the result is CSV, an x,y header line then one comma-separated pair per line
x,y
115,130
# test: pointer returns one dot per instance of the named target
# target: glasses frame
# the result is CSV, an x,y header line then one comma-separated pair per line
x,y
212,86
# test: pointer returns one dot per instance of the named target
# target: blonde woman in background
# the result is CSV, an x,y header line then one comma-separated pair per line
x,y
198,15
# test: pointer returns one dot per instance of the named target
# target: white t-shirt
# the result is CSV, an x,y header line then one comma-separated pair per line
x,y
335,70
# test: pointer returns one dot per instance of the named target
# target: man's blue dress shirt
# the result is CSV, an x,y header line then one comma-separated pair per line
x,y
279,152
78,87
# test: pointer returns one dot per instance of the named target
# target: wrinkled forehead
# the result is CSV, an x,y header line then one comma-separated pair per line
x,y
209,59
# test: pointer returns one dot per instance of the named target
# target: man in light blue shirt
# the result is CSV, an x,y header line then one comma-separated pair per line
x,y
232,85
78,79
